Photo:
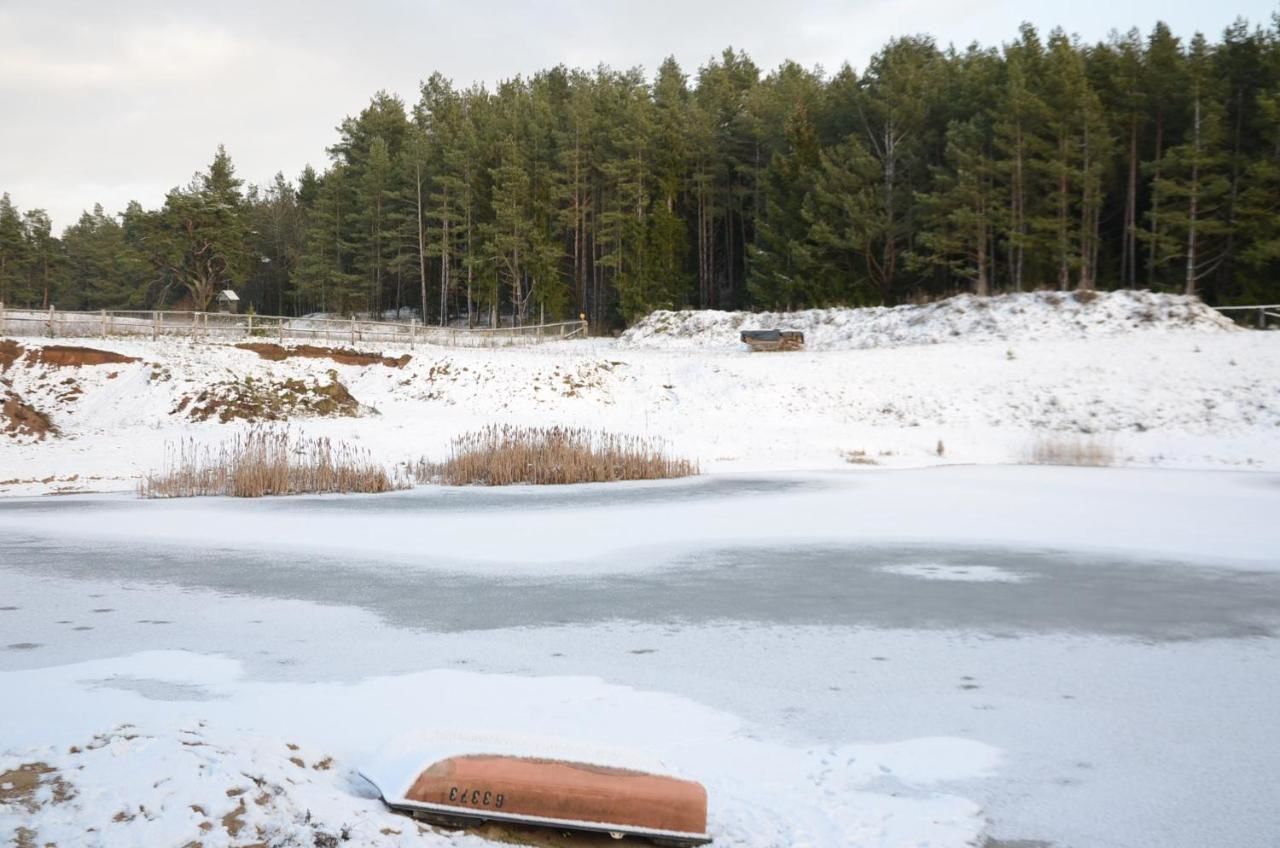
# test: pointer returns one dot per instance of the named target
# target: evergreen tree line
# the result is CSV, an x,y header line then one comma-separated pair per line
x,y
1141,162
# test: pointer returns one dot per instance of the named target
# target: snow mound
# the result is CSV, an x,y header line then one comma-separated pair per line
x,y
1007,317
223,761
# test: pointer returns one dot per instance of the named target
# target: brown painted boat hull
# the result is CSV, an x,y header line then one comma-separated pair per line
x,y
561,794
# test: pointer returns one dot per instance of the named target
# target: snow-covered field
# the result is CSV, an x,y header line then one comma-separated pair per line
x,y
845,643
1187,392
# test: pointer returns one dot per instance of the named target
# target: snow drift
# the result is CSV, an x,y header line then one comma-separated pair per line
x,y
1007,317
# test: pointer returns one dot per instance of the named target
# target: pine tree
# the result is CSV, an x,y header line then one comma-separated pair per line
x,y
1166,87
777,258
1067,225
898,88
103,270
1258,211
372,199
507,238
199,240
962,212
1020,113
1195,183
12,254
43,256
668,234
848,225
324,278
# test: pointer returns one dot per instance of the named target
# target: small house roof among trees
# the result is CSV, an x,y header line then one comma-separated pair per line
x,y
228,296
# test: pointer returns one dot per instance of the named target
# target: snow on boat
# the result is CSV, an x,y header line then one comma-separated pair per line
x,y
541,792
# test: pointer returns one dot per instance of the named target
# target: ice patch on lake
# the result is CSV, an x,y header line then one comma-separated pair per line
x,y
958,573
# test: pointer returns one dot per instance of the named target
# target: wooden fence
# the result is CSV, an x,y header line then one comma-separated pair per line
x,y
217,326
1270,310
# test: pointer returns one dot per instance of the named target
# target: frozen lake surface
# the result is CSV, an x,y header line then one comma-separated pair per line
x,y
1113,634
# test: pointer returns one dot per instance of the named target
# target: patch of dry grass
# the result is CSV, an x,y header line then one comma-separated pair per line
x,y
503,455
1070,450
266,461
859,457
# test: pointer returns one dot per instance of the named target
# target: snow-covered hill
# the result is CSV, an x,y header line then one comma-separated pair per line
x,y
1008,317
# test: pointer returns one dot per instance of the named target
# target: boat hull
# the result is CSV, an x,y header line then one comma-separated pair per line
x,y
558,794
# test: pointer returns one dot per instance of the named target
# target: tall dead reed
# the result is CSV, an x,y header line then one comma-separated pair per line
x,y
266,461
503,455
1068,450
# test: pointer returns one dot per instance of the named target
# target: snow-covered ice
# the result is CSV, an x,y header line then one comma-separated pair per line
x,y
1119,693
963,573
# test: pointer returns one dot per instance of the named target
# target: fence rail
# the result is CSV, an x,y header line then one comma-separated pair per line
x,y
1265,311
219,326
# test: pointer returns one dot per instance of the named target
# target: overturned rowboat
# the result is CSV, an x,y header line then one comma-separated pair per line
x,y
773,339
467,790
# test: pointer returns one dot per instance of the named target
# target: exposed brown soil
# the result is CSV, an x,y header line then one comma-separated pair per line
x,y
233,822
18,786
22,783
10,350
66,355
17,418
343,356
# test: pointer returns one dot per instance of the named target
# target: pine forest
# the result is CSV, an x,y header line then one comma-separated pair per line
x,y
1148,161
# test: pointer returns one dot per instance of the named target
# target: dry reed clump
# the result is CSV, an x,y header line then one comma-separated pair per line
x,y
503,455
858,457
1066,450
265,461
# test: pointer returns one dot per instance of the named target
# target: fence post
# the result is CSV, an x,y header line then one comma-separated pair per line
x,y
104,323
155,325
249,331
280,327
1262,318
52,334
413,331
353,330
2,319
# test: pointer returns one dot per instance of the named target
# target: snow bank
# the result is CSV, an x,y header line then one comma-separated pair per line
x,y
1007,317
219,760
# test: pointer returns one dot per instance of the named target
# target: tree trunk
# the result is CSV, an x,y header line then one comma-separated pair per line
x,y
1190,288
1019,200
422,242
1128,257
1086,230
1153,254
890,248
1064,266
980,285
445,271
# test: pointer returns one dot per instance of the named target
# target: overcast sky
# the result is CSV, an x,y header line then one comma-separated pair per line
x,y
111,101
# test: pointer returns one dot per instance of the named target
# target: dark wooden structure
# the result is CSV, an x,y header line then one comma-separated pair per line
x,y
773,339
